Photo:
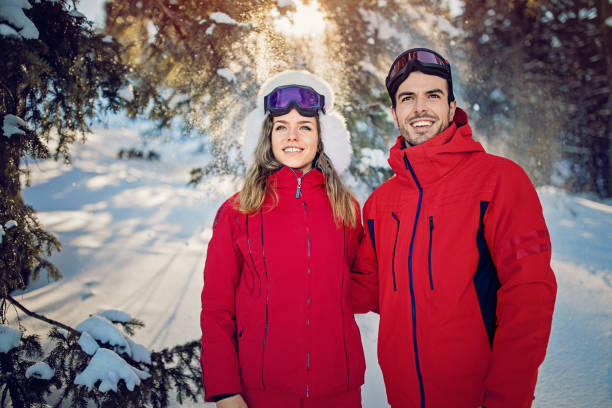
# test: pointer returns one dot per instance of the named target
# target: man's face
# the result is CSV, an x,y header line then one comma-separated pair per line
x,y
422,110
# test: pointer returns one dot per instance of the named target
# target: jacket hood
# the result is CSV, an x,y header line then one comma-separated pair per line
x,y
436,157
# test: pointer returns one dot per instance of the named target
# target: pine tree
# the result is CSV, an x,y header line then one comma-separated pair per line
x,y
543,75
57,76
51,81
176,50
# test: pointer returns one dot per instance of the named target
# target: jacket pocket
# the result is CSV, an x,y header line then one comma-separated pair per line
x,y
394,248
431,228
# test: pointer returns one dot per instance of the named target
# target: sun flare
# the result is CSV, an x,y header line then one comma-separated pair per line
x,y
306,20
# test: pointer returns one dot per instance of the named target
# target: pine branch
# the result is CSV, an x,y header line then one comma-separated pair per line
x,y
178,25
40,317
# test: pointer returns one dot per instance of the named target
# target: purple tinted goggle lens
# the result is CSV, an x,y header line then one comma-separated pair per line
x,y
424,56
305,99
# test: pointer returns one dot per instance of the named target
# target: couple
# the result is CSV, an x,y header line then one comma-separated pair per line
x,y
455,257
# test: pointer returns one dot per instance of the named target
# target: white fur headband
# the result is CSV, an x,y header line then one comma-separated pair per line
x,y
336,139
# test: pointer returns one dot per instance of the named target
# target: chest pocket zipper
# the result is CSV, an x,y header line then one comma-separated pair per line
x,y
431,228
394,247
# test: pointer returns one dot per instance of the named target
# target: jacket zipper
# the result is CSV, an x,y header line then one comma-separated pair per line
x,y
394,247
263,253
298,191
246,223
410,275
308,295
348,378
431,227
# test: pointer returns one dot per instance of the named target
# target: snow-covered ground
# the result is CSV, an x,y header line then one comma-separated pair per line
x,y
134,239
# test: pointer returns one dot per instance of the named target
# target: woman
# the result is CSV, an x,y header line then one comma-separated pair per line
x,y
277,326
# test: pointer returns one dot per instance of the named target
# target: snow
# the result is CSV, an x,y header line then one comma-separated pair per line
x,y
88,344
456,8
139,353
76,13
210,29
11,12
100,328
222,18
9,338
373,158
2,234
115,315
8,31
12,125
286,3
608,21
40,370
10,224
227,74
108,367
135,241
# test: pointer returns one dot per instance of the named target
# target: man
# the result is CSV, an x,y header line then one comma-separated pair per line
x,y
456,257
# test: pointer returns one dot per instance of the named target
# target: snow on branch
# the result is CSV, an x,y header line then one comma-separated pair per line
x,y
88,344
40,370
14,22
222,18
227,74
108,367
12,125
100,328
9,338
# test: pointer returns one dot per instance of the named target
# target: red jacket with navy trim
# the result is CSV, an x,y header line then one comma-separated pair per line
x,y
456,259
276,314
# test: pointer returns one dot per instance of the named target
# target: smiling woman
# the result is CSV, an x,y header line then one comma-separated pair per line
x,y
275,292
307,20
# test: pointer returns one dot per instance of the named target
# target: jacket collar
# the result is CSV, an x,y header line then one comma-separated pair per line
x,y
285,180
436,157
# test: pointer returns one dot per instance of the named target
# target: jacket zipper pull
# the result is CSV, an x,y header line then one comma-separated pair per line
x,y
298,192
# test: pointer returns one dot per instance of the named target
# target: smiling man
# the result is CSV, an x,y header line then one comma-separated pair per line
x,y
456,257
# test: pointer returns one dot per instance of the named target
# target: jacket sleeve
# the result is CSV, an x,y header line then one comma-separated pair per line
x,y
519,242
364,274
220,369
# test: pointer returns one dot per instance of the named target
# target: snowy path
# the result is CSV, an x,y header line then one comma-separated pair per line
x,y
134,238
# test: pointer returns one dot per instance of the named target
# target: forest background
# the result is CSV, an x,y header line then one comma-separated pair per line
x,y
534,76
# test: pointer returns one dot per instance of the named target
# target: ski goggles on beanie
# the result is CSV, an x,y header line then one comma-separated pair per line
x,y
302,98
418,59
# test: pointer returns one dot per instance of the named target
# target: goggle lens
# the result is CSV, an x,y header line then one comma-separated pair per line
x,y
423,56
281,98
306,98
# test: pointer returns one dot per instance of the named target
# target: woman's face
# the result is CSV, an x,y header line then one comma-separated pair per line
x,y
294,140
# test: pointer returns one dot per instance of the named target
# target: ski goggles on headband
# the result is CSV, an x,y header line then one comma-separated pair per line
x,y
428,61
302,98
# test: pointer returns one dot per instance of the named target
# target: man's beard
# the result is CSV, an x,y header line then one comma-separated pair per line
x,y
415,138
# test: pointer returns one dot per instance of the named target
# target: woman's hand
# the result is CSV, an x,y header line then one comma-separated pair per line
x,y
232,402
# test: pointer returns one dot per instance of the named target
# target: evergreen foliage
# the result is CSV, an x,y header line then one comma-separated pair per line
x,y
54,83
542,72
176,48
52,86
174,372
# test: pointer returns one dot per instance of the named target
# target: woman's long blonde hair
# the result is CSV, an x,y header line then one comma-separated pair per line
x,y
253,194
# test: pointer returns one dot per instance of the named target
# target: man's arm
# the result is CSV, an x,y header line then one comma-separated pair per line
x,y
518,239
364,273
220,369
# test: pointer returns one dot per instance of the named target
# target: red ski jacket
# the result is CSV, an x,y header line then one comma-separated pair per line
x,y
456,259
276,314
